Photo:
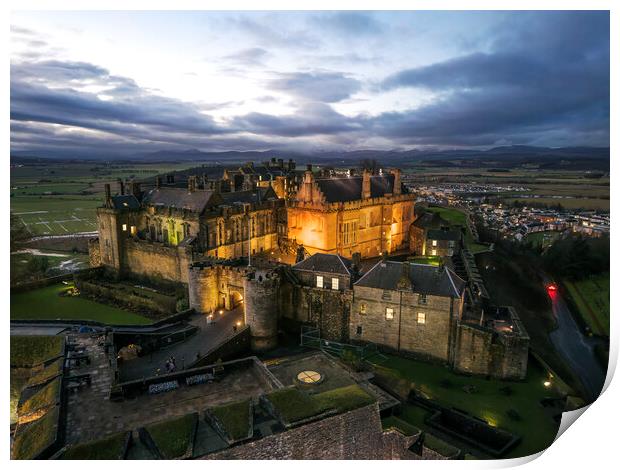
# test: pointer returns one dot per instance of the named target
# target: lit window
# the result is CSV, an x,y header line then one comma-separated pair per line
x,y
124,227
362,309
421,318
434,242
389,313
134,229
334,283
434,252
319,281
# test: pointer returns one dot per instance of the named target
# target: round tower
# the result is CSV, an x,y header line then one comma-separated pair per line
x,y
202,287
261,313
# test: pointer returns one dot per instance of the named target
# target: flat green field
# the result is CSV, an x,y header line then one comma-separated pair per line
x,y
591,296
55,198
47,304
488,401
566,202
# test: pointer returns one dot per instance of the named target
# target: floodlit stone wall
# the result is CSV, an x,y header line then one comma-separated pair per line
x,y
156,260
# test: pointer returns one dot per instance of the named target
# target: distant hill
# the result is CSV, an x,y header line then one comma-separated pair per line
x,y
506,156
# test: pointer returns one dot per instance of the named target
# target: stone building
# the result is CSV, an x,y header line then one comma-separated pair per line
x,y
368,214
158,233
443,242
407,307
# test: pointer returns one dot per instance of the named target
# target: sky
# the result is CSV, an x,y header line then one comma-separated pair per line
x,y
125,83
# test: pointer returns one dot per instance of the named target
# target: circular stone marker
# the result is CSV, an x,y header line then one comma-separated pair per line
x,y
309,377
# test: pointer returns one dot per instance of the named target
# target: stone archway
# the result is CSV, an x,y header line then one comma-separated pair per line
x,y
236,298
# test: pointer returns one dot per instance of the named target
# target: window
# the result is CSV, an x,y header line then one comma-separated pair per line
x,y
359,331
451,243
362,309
434,252
319,281
133,230
421,318
124,227
389,313
422,299
434,242
387,295
334,283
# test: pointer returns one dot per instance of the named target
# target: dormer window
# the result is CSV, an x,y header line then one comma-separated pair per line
x,y
422,299
319,282
335,283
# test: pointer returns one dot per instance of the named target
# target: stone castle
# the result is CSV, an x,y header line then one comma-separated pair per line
x,y
295,249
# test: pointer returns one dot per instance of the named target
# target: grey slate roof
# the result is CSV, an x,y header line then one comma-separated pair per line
x,y
251,196
125,201
425,279
350,188
443,235
325,263
179,198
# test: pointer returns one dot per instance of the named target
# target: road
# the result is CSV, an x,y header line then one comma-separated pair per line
x,y
576,349
207,336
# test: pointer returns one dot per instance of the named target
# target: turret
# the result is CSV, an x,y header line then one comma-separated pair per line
x,y
397,184
261,313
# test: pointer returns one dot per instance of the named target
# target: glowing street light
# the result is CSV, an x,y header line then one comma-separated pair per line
x,y
547,383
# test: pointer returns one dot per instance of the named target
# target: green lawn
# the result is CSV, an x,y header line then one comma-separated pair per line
x,y
542,238
488,401
109,448
173,437
430,260
591,296
235,418
33,438
47,304
29,351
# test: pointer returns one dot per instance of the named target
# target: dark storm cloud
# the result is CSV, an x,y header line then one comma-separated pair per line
x,y
311,119
327,87
535,83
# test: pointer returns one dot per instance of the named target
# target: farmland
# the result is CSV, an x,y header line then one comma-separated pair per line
x,y
60,198
591,297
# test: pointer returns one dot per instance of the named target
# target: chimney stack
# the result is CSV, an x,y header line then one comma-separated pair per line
x,y
135,188
191,183
291,164
121,186
158,182
281,163
366,185
108,196
169,179
397,184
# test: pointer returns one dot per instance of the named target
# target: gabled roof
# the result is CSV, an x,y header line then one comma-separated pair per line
x,y
325,263
350,188
178,198
125,201
425,279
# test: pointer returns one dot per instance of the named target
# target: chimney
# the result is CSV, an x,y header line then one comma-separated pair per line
x,y
397,184
121,186
170,179
135,189
356,261
108,196
309,167
366,185
158,182
291,164
308,183
281,163
191,183
404,282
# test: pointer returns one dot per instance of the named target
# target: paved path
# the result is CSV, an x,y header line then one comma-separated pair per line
x,y
207,336
576,349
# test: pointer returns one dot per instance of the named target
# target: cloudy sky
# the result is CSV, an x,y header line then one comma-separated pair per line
x,y
131,82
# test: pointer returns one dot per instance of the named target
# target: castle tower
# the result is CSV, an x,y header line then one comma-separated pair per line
x,y
261,313
203,291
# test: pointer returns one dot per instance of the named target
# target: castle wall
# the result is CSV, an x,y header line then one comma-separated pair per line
x,y
94,253
404,332
354,435
213,286
481,351
157,260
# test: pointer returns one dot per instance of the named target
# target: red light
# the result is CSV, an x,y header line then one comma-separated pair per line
x,y
552,288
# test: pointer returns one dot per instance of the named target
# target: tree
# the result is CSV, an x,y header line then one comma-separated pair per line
x,y
18,231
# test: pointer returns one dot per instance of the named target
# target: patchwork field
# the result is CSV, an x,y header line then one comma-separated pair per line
x,y
55,198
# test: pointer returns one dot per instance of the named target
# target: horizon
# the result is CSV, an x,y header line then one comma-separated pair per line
x,y
306,82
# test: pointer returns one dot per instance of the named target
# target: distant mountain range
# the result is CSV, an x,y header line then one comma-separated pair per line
x,y
516,154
